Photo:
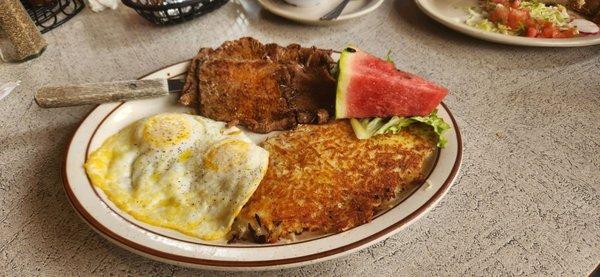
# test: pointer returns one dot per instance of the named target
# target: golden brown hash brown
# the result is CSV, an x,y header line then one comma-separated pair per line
x,y
321,178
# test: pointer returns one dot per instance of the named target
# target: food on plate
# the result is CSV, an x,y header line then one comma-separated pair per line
x,y
585,26
261,87
366,128
322,179
371,87
532,18
380,99
589,8
179,171
198,176
258,103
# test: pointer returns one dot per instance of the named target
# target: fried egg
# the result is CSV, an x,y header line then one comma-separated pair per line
x,y
179,171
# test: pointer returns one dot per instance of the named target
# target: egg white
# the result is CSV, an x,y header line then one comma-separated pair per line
x,y
179,171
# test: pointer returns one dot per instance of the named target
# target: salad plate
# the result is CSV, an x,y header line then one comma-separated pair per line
x,y
455,13
167,245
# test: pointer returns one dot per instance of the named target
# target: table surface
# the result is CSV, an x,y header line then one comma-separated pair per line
x,y
525,202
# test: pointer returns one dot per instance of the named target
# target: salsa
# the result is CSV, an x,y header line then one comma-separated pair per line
x,y
523,18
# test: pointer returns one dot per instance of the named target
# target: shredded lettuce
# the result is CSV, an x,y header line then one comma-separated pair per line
x,y
478,18
476,15
556,14
366,128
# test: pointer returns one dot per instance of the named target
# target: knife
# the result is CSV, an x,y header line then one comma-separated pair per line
x,y
98,93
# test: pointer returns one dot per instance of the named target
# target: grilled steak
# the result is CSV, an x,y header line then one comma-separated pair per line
x,y
250,92
590,8
189,96
241,49
263,87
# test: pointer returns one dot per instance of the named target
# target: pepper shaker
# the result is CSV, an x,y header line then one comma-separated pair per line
x,y
26,40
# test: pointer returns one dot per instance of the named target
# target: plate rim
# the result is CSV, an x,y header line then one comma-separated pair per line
x,y
461,27
256,265
265,4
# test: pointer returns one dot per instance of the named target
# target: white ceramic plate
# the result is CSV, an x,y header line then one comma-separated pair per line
x,y
453,13
173,247
311,15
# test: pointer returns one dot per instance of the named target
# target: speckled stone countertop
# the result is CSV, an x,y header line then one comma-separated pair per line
x,y
526,202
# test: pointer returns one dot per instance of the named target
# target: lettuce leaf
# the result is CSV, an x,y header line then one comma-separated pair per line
x,y
438,124
366,128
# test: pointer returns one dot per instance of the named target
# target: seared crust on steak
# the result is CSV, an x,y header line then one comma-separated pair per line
x,y
321,178
305,84
590,7
228,81
189,97
241,49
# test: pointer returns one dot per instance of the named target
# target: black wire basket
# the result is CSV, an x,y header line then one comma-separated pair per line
x,y
52,13
166,12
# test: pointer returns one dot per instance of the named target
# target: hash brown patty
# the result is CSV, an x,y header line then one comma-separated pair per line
x,y
322,179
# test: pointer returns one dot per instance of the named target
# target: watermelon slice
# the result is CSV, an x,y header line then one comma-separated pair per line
x,y
371,87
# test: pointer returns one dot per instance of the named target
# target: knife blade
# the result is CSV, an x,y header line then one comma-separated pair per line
x,y
99,93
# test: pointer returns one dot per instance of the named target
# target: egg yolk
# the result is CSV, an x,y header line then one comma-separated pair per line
x,y
165,130
226,154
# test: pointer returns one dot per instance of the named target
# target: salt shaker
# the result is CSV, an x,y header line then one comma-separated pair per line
x,y
24,39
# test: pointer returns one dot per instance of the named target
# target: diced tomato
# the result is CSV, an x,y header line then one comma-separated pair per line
x,y
515,4
549,31
532,32
568,33
501,2
508,3
517,18
500,15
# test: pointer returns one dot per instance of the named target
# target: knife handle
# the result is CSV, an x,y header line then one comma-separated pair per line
x,y
98,93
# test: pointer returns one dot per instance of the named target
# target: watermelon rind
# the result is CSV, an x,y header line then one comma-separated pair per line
x,y
344,76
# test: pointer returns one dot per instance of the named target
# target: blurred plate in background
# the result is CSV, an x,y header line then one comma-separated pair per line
x,y
453,14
